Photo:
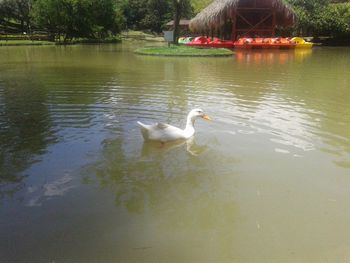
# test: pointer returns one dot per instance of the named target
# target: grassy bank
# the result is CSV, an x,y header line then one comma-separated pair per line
x,y
28,42
183,51
143,36
24,43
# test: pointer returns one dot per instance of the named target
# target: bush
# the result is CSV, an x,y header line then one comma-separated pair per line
x,y
336,20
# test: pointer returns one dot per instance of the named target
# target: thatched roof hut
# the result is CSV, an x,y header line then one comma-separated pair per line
x,y
183,22
252,16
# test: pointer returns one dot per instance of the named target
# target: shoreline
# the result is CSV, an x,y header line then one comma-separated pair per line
x,y
3,42
8,43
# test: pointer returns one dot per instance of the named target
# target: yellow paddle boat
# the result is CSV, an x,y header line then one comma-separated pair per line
x,y
301,43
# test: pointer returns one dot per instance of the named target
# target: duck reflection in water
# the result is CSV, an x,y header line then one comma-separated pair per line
x,y
153,148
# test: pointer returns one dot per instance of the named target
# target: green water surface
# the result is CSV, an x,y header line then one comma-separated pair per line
x,y
268,180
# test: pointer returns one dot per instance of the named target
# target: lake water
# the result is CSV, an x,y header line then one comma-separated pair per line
x,y
268,180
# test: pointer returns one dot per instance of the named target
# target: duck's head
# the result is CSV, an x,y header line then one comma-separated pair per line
x,y
198,113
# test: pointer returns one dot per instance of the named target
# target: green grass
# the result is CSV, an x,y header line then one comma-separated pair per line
x,y
28,42
183,51
24,43
139,35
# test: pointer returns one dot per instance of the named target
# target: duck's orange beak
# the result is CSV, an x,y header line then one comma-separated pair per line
x,y
206,117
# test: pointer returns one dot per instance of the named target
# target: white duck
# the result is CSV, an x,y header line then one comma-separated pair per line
x,y
164,132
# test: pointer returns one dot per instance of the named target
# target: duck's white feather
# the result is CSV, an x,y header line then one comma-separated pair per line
x,y
161,132
165,132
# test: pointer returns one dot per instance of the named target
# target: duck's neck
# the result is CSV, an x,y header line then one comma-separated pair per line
x,y
189,130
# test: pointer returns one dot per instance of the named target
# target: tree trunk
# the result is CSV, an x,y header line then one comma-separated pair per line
x,y
177,15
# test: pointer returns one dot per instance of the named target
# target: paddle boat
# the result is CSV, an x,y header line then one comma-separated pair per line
x,y
249,43
207,42
185,40
264,43
301,43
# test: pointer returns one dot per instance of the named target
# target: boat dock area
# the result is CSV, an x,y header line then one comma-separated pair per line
x,y
248,43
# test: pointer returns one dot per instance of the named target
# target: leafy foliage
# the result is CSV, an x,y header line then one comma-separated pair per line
x,y
199,5
76,18
15,15
321,17
336,20
151,14
102,18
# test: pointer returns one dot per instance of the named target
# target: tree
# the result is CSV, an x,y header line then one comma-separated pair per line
x,y
76,18
16,13
158,13
321,17
336,20
150,14
308,15
52,15
134,11
177,15
181,8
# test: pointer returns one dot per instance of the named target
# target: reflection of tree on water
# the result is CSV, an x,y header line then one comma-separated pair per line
x,y
24,131
324,92
180,191
133,173
134,170
32,105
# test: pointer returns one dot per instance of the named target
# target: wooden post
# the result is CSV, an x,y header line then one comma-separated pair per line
x,y
273,33
234,32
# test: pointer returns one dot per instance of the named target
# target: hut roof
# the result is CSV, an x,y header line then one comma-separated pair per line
x,y
214,15
183,22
